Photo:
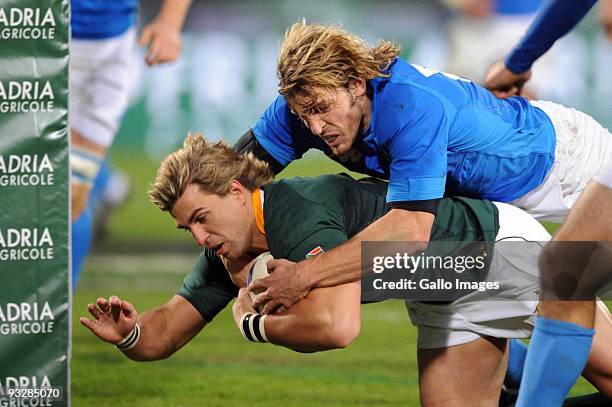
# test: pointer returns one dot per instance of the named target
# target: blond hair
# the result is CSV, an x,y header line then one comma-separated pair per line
x,y
317,57
212,166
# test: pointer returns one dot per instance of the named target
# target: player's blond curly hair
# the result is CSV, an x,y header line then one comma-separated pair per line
x,y
318,57
212,166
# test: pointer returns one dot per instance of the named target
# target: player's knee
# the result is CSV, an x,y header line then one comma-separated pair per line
x,y
563,267
548,266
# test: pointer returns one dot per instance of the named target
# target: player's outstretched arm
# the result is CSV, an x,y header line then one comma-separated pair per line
x,y
290,282
161,331
555,19
162,36
329,318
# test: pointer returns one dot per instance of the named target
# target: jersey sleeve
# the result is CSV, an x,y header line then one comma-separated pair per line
x,y
417,148
554,20
208,287
281,133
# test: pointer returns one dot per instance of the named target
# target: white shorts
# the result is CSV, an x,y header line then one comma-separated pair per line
x,y
506,314
100,78
583,147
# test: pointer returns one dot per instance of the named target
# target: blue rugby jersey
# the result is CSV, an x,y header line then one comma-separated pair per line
x,y
100,19
432,133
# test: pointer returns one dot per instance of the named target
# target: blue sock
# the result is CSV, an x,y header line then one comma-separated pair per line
x,y
557,355
81,243
82,228
516,362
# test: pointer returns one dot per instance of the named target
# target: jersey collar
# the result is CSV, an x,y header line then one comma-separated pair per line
x,y
257,198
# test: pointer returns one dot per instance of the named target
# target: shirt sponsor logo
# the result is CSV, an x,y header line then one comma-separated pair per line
x,y
27,23
26,244
26,318
26,96
26,170
314,252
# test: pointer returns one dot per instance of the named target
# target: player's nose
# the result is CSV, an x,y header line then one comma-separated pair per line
x,y
316,125
200,235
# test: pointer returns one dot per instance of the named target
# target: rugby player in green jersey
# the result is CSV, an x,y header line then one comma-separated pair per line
x,y
235,211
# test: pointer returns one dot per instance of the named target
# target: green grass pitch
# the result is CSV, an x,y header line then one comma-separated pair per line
x,y
220,368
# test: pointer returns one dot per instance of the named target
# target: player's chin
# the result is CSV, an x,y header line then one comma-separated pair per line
x,y
340,149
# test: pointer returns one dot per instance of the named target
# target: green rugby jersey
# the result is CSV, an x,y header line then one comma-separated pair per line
x,y
307,216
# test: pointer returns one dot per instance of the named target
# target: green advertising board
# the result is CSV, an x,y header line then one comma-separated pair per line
x,y
34,267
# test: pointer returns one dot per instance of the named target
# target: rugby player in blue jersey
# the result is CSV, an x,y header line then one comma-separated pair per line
x,y
101,69
563,332
428,132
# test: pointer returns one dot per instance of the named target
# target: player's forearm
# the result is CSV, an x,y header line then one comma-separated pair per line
x,y
293,332
555,19
153,344
329,318
173,13
343,263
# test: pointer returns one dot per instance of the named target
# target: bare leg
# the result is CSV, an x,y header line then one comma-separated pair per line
x,y
80,189
572,268
465,375
598,370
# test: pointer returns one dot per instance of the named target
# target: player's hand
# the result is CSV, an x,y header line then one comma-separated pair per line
x,y
605,16
162,41
281,289
503,82
474,8
113,319
242,305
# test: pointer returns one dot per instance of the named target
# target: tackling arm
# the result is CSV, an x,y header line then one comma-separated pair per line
x,y
343,263
290,282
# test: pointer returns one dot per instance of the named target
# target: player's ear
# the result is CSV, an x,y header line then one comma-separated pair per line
x,y
357,87
238,191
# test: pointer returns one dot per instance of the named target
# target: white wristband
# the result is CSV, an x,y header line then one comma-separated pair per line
x,y
252,327
130,340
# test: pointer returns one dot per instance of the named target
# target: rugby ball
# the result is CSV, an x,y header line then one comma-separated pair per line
x,y
258,269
